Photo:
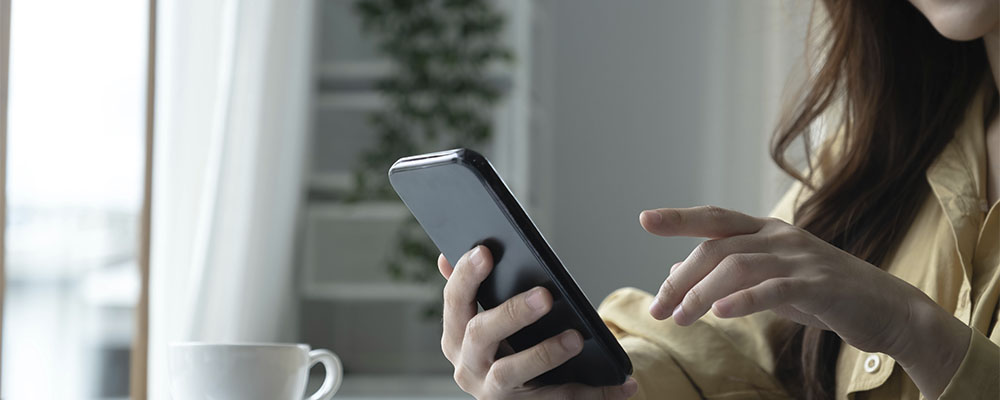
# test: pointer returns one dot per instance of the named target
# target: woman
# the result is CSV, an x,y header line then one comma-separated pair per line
x,y
879,276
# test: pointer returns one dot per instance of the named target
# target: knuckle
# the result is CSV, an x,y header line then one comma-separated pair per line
x,y
775,221
475,328
668,290
463,377
749,299
714,211
499,377
791,235
674,267
737,265
511,311
447,350
706,249
783,289
673,217
795,239
694,297
543,354
825,276
451,301
449,293
446,293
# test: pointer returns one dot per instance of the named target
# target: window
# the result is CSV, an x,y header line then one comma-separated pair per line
x,y
75,168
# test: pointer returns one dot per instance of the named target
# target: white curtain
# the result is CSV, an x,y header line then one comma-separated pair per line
x,y
232,97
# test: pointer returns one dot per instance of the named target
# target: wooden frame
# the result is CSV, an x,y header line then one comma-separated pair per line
x,y
4,75
140,346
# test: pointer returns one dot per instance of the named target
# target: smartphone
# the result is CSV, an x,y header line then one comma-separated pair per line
x,y
461,202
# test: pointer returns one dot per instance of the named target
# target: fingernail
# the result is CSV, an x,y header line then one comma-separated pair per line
x,y
652,216
678,313
535,300
654,308
477,256
571,341
715,309
630,387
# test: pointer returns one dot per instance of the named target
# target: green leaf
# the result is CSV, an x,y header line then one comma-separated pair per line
x,y
439,94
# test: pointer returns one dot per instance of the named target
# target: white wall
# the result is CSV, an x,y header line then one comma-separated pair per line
x,y
658,104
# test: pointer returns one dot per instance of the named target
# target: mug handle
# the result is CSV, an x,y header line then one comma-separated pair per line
x,y
334,373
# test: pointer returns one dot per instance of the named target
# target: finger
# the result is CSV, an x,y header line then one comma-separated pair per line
x,y
769,294
696,266
705,221
485,331
584,392
735,272
516,369
444,266
674,267
460,297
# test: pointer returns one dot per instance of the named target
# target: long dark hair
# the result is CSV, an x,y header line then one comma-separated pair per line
x,y
900,90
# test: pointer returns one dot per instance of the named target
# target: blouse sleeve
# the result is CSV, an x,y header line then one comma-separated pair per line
x,y
713,358
978,376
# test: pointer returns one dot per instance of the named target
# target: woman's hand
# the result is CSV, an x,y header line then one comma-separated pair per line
x,y
471,341
755,264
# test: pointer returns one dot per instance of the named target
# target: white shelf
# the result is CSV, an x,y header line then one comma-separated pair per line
x,y
353,70
370,71
381,288
366,210
381,291
357,101
331,181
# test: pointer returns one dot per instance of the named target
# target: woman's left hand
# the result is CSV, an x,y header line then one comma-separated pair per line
x,y
754,264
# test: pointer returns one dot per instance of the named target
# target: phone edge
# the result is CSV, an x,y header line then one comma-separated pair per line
x,y
529,231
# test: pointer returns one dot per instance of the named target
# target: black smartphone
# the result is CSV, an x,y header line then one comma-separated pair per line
x,y
461,202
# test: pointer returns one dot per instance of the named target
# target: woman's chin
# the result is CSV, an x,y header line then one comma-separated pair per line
x,y
963,22
961,33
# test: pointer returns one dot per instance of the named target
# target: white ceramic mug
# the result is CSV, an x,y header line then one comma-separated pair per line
x,y
216,371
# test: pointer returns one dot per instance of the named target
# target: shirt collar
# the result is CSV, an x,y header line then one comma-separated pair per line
x,y
958,175
958,178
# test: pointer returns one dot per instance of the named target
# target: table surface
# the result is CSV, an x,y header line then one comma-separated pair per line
x,y
394,387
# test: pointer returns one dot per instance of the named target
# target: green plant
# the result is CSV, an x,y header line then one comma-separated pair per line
x,y
438,95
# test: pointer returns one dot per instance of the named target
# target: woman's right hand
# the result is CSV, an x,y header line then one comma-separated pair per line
x,y
470,340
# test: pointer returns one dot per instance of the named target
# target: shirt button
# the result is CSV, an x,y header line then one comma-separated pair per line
x,y
872,363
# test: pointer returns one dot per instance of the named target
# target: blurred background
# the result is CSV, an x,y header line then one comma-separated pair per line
x,y
273,124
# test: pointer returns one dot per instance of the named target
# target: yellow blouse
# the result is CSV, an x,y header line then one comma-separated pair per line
x,y
951,252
